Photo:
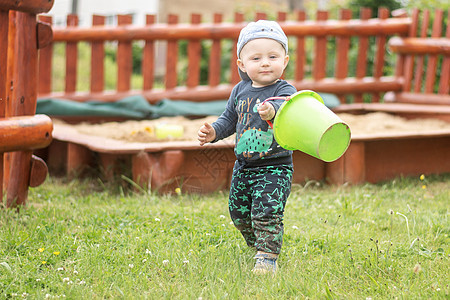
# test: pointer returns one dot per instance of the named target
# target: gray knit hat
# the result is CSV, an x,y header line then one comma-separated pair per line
x,y
261,29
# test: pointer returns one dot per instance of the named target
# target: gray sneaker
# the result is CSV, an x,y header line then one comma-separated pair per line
x,y
265,263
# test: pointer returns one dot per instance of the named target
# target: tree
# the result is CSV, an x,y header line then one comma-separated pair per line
x,y
374,5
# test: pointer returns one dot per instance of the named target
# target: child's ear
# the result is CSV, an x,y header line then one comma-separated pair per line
x,y
241,65
286,60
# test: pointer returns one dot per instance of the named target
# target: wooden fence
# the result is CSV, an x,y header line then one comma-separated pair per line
x,y
347,57
20,130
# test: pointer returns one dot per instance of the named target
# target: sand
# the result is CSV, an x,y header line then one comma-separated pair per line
x,y
145,131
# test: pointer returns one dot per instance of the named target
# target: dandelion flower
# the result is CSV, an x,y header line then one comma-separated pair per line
x,y
424,187
56,253
43,262
41,249
422,177
178,191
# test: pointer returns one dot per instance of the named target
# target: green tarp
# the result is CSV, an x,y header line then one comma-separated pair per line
x,y
137,107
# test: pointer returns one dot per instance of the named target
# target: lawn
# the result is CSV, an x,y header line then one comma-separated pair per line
x,y
87,240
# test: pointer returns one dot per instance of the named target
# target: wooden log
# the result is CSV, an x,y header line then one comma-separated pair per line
x,y
39,171
227,30
24,66
25,133
19,178
422,46
28,6
4,24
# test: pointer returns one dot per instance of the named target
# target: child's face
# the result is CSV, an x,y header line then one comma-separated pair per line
x,y
264,61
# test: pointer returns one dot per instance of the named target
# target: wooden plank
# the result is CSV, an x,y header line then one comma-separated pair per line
x,y
363,48
343,46
444,83
418,75
238,19
300,52
124,58
194,52
71,58
79,158
148,60
260,16
215,56
97,59
45,63
409,59
430,76
281,18
320,50
383,14
172,56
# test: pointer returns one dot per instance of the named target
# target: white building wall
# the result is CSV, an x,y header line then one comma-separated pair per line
x,y
109,8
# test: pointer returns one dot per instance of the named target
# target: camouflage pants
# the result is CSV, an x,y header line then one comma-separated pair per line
x,y
257,199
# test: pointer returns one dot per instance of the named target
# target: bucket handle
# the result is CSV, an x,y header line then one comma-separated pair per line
x,y
286,98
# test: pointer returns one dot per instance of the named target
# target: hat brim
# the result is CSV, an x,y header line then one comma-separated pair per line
x,y
243,75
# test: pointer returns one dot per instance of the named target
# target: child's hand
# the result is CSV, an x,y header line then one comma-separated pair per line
x,y
206,134
266,111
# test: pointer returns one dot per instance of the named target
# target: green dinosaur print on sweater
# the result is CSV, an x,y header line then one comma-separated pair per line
x,y
255,141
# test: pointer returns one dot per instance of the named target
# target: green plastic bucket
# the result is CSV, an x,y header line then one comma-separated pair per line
x,y
304,123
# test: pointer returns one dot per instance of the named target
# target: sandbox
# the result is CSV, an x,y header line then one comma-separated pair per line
x,y
383,146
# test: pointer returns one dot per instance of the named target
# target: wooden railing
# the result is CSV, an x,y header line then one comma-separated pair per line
x,y
424,60
21,131
347,57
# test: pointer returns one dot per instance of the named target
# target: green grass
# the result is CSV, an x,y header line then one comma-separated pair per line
x,y
80,239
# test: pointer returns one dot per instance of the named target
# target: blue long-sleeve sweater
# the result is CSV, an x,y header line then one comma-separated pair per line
x,y
255,142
